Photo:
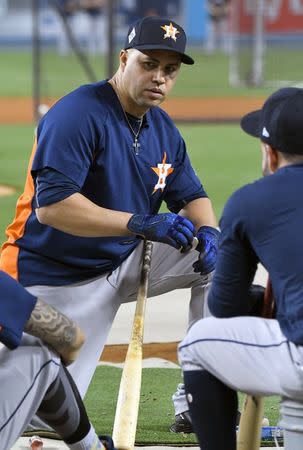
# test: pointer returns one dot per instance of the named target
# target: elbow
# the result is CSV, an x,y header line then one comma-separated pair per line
x,y
215,310
225,309
218,312
41,215
220,308
80,339
44,215
72,350
75,344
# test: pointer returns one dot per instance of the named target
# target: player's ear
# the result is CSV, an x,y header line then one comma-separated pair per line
x,y
123,58
273,157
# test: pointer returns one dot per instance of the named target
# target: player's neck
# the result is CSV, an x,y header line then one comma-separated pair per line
x,y
127,103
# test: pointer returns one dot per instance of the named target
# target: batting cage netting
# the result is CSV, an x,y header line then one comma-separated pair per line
x,y
77,42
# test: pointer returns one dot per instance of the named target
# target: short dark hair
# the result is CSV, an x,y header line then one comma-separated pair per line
x,y
293,158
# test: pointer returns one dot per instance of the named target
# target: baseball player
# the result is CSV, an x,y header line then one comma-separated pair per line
x,y
67,10
217,37
232,352
105,159
96,25
32,376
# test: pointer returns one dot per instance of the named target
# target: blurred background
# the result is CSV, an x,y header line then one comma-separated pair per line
x,y
243,51
48,47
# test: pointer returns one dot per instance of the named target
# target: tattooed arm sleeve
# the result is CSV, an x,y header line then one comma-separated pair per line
x,y
56,330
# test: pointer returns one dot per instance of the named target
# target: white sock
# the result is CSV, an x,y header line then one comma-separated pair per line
x,y
90,442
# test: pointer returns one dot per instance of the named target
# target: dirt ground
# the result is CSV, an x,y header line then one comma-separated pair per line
x,y
164,350
225,109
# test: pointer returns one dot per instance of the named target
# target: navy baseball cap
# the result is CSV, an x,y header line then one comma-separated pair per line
x,y
157,33
280,121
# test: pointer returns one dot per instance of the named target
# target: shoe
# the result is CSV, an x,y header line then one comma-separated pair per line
x,y
107,442
183,423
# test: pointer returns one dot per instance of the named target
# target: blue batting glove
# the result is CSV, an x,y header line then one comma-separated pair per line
x,y
168,228
208,249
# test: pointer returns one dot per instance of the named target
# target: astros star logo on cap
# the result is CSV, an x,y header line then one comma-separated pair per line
x,y
170,31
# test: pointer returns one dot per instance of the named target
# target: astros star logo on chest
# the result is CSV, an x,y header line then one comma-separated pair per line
x,y
162,170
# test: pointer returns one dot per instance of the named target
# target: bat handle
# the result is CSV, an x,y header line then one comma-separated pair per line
x,y
194,243
148,248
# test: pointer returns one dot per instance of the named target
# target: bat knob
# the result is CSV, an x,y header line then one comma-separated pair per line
x,y
194,243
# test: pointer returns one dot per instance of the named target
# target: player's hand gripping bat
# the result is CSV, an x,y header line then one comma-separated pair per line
x,y
125,423
249,434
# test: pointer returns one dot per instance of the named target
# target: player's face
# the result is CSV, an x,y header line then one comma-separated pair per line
x,y
148,77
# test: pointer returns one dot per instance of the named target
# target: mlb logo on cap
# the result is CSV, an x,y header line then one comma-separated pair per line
x,y
157,33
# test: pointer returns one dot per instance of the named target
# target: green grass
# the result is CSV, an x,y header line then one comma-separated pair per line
x,y
223,156
208,77
156,410
15,149
59,75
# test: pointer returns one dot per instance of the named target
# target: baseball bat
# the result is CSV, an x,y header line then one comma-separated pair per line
x,y
249,434
125,423
250,427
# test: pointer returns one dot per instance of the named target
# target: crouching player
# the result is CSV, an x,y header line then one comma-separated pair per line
x,y
33,377
233,351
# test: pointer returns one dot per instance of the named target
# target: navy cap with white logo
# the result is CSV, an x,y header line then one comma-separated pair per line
x,y
280,121
157,33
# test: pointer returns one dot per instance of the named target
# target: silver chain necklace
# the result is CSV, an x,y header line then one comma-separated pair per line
x,y
136,143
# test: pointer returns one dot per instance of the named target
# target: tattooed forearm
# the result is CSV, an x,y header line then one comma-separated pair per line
x,y
55,329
